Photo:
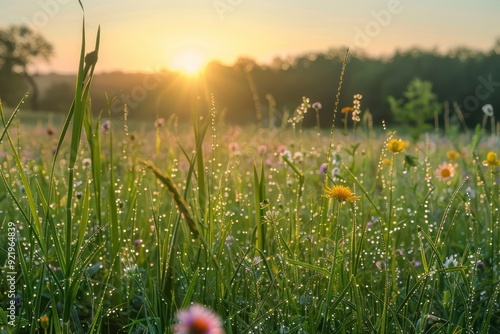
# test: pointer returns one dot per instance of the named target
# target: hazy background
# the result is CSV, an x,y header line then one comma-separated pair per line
x,y
152,51
141,35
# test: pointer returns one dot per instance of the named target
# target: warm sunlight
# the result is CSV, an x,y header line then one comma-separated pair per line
x,y
189,61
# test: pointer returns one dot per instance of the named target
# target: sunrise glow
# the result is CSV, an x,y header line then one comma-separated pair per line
x,y
189,61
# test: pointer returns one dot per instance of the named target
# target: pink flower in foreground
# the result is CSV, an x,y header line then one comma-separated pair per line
x,y
197,319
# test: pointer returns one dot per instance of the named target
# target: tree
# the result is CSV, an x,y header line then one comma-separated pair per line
x,y
19,48
419,106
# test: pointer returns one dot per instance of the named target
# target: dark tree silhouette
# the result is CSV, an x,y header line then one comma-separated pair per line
x,y
19,48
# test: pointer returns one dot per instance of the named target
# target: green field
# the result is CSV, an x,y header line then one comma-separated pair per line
x,y
101,243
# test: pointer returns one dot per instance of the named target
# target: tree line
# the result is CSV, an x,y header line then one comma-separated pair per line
x,y
462,80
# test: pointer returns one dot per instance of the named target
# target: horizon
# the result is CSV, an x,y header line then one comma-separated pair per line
x,y
263,64
187,36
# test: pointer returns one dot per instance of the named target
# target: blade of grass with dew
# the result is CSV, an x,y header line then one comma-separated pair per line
x,y
29,287
309,266
324,201
35,222
81,106
337,301
114,227
163,259
259,197
82,228
31,218
490,309
437,240
12,116
365,192
476,139
94,143
267,266
169,244
199,134
54,232
97,320
295,222
84,78
190,290
181,203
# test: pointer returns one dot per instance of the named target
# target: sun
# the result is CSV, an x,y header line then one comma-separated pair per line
x,y
189,61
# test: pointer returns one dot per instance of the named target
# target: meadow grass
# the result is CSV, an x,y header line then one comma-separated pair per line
x,y
119,229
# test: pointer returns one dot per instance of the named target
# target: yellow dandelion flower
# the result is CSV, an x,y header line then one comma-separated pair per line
x,y
397,145
341,194
491,159
452,155
346,110
445,171
44,321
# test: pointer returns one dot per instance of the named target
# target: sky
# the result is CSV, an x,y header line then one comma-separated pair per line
x,y
149,35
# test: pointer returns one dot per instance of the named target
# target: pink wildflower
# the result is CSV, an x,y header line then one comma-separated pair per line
x,y
197,319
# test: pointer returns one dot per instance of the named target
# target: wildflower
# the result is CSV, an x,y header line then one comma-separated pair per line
x,y
197,319
234,132
445,171
488,110
452,155
281,148
272,216
286,154
335,173
229,241
159,122
396,145
233,147
44,321
262,149
300,111
471,192
137,243
356,108
298,157
450,261
105,126
341,194
346,110
336,160
380,265
480,265
372,221
491,159
317,105
323,168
